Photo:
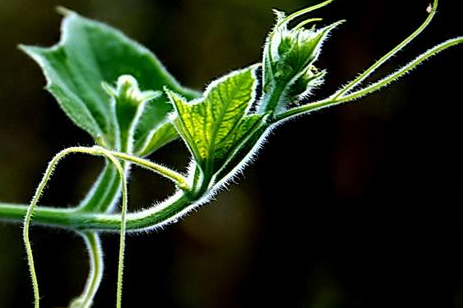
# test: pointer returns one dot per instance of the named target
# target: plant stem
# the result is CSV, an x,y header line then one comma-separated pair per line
x,y
388,56
27,220
95,253
157,215
405,69
272,100
120,267
168,173
304,11
104,194
371,88
98,151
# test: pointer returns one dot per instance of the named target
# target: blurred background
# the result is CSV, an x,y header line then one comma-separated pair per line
x,y
355,206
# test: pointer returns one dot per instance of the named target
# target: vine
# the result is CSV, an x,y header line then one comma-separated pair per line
x,y
122,96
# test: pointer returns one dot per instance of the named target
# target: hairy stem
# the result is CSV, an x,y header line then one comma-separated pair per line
x,y
304,11
95,253
104,193
272,100
170,174
30,210
371,88
120,267
387,56
405,69
157,215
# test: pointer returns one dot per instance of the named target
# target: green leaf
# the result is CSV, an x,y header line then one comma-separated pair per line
x,y
214,125
159,137
90,53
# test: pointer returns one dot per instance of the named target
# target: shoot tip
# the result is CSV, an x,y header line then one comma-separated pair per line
x,y
429,8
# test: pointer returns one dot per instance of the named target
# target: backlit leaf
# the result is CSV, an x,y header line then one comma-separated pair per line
x,y
215,124
90,53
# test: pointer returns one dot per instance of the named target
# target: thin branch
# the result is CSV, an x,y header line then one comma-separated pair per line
x,y
96,151
388,56
166,172
120,267
95,254
328,102
303,11
48,173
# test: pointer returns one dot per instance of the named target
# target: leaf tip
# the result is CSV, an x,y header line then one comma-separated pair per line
x,y
255,66
170,94
174,98
64,11
34,52
108,88
27,49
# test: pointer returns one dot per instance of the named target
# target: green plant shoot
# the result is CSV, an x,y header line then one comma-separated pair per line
x,y
121,95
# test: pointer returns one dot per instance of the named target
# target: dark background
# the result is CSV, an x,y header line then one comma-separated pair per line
x,y
356,206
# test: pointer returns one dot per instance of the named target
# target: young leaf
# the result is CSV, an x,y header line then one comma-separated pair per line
x,y
90,53
157,138
214,125
288,60
129,103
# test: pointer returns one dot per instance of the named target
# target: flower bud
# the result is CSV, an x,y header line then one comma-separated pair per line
x,y
311,79
128,92
289,55
128,102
